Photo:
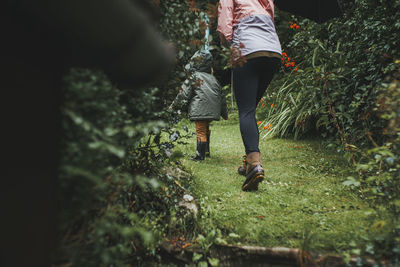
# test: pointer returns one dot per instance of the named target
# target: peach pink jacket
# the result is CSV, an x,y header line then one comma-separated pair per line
x,y
249,24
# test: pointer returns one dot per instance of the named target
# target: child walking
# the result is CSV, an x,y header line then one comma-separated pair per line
x,y
201,94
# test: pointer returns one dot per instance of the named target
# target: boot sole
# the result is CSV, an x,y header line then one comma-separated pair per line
x,y
257,175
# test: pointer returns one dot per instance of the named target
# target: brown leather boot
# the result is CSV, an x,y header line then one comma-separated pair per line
x,y
242,169
254,172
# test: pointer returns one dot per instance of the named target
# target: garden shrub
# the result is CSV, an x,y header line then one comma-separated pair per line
x,y
339,79
379,179
115,196
336,74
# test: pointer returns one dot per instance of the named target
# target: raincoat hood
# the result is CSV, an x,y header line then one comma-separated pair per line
x,y
200,61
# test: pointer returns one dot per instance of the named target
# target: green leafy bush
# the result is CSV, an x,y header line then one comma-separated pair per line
x,y
113,187
339,73
339,79
379,179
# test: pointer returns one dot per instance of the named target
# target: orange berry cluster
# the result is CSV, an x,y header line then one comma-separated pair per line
x,y
266,127
262,103
294,26
288,62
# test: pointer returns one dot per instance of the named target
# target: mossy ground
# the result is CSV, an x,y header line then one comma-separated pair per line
x,y
301,203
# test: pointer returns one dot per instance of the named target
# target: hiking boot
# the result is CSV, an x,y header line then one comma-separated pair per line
x,y
254,172
200,152
208,145
242,169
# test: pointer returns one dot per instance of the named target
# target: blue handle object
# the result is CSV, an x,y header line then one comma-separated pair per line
x,y
207,43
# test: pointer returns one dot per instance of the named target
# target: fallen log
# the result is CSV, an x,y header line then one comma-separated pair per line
x,y
232,256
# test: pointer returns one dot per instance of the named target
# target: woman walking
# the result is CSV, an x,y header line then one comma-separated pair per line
x,y
248,26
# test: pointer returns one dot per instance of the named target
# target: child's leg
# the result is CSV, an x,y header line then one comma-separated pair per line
x,y
208,139
201,131
201,134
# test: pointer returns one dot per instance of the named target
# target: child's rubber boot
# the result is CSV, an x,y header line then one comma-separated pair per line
x,y
200,152
254,172
208,145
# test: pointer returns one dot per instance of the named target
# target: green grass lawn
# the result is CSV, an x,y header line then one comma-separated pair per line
x,y
302,199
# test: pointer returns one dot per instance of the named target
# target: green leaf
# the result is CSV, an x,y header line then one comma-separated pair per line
x,y
351,182
213,262
234,235
196,257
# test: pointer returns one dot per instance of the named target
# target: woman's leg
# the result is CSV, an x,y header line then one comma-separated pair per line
x,y
266,71
250,82
245,84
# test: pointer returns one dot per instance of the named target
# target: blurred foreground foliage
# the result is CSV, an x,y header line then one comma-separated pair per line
x,y
119,186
